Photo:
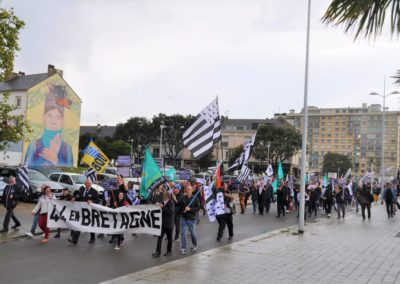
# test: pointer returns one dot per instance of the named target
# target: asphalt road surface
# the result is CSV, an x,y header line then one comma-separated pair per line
x,y
29,261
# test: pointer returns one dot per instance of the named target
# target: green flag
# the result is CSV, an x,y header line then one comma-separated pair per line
x,y
170,172
326,182
280,172
275,185
152,176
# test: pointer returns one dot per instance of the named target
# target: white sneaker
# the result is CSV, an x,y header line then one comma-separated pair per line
x,y
183,251
117,247
29,234
43,235
193,248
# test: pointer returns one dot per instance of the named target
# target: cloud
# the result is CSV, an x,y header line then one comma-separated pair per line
x,y
128,58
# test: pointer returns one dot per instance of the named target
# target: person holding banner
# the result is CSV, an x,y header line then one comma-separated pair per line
x,y
178,196
167,226
85,194
190,205
41,207
122,200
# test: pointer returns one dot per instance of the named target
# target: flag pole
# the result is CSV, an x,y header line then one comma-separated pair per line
x,y
305,122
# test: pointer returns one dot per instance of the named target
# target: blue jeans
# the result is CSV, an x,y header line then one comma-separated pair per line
x,y
191,224
254,206
35,222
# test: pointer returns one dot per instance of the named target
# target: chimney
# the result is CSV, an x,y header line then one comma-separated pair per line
x,y
291,111
51,70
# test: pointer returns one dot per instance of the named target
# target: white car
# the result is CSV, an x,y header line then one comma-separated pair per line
x,y
3,185
73,181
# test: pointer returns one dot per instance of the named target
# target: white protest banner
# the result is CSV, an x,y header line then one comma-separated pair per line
x,y
94,218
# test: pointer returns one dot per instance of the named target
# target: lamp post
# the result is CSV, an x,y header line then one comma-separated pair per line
x,y
305,122
384,96
162,126
131,140
268,145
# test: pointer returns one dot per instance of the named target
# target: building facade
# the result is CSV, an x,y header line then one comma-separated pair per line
x,y
354,132
52,109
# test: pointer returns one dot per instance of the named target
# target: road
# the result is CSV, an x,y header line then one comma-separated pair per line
x,y
29,261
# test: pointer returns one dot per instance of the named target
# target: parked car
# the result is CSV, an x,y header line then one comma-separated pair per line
x,y
36,181
73,181
107,181
3,184
203,175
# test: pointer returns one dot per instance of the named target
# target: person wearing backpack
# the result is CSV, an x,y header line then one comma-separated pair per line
x,y
388,197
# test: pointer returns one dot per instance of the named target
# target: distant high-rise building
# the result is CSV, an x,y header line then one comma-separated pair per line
x,y
355,132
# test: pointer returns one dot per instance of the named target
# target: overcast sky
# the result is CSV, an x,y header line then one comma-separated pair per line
x,y
139,58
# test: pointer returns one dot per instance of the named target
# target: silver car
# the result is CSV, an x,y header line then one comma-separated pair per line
x,y
73,181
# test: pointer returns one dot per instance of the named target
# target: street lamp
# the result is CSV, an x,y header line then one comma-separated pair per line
x,y
162,126
384,96
305,122
268,145
131,140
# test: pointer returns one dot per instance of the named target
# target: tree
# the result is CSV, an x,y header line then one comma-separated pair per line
x,y
206,161
336,163
366,17
12,127
284,143
234,154
139,131
172,141
10,26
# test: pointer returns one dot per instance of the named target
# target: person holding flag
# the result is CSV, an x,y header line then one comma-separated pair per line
x,y
189,205
226,219
9,200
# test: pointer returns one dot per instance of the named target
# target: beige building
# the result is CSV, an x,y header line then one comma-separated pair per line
x,y
355,132
236,132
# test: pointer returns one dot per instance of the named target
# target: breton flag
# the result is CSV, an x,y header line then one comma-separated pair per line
x,y
23,177
269,171
204,132
348,173
244,173
91,175
245,155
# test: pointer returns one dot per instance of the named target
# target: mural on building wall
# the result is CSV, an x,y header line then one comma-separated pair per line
x,y
53,111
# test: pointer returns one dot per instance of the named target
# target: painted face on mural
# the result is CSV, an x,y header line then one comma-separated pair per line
x,y
53,120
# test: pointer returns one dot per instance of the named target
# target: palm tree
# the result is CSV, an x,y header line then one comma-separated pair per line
x,y
367,17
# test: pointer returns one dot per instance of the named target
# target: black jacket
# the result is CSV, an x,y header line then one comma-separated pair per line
x,y
282,194
254,193
178,209
261,197
66,198
168,212
195,207
83,196
269,193
8,202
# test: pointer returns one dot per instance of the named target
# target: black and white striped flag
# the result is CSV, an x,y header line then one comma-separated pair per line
x,y
22,177
244,173
204,132
91,175
245,155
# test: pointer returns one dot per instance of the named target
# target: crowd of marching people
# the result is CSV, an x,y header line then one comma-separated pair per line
x,y
182,203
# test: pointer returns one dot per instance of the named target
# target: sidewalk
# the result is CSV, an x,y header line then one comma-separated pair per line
x,y
330,251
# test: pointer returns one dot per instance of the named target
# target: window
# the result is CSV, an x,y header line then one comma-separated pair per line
x,y
66,179
18,102
55,177
225,141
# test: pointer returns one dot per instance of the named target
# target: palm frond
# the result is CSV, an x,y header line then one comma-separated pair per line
x,y
366,17
397,77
